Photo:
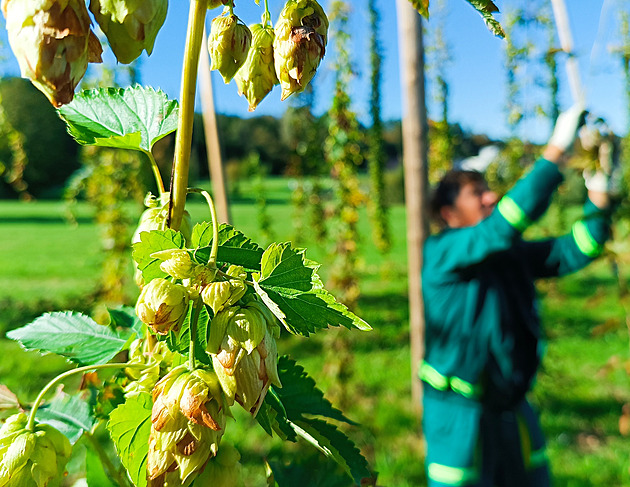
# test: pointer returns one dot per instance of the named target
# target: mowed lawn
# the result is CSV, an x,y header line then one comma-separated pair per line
x,y
48,264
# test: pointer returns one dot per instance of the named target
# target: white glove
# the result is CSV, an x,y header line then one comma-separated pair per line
x,y
566,128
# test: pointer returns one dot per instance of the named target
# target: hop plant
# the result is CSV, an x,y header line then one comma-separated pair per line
x,y
300,44
187,423
157,358
223,294
216,3
162,305
223,470
228,45
257,77
242,344
130,26
53,43
32,458
176,263
155,216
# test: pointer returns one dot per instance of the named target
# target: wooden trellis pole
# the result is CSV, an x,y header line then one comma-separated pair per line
x,y
415,156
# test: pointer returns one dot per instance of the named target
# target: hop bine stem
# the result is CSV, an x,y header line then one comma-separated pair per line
x,y
31,418
179,177
215,224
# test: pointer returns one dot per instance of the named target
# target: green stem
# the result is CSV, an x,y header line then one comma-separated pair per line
x,y
156,173
192,365
231,5
266,18
215,224
31,419
181,163
107,464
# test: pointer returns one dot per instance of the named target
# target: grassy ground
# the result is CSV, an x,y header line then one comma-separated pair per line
x,y
46,264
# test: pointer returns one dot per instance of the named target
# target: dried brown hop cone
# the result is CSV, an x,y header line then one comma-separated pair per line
x,y
242,344
187,423
300,44
130,26
228,45
32,458
257,76
53,43
162,305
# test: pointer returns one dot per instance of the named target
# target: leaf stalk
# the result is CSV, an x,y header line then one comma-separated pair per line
x,y
30,426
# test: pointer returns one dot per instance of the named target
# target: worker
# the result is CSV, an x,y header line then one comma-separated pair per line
x,y
483,328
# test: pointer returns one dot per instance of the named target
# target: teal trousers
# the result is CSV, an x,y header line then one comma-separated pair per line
x,y
471,446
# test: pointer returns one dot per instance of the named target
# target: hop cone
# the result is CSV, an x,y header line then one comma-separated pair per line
x,y
32,458
154,218
300,44
216,3
244,353
53,43
187,422
223,294
228,45
162,305
157,358
257,77
130,26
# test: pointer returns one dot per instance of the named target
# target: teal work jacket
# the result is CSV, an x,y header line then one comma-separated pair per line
x,y
482,324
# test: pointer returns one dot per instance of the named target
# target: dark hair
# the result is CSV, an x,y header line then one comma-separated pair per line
x,y
448,189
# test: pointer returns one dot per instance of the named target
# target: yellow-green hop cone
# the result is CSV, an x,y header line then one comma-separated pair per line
x,y
162,305
244,353
53,43
257,77
157,359
176,263
223,470
130,26
300,44
154,218
32,458
187,423
220,295
228,45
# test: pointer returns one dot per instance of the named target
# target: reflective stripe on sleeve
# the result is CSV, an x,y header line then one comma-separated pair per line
x,y
513,213
584,240
452,475
441,382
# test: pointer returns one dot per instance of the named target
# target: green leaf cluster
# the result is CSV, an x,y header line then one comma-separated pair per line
x,y
299,409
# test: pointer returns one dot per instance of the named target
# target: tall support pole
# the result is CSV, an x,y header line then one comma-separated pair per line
x,y
415,141
566,42
213,147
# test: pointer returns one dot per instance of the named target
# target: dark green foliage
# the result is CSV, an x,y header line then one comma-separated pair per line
x,y
50,153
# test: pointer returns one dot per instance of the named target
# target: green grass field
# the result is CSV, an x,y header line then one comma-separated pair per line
x,y
47,264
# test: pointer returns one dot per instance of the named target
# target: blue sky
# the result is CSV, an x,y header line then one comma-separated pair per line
x,y
476,73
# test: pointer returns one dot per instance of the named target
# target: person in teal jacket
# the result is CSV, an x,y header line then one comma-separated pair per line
x,y
483,333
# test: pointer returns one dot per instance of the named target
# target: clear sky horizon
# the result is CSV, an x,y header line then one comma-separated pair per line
x,y
476,72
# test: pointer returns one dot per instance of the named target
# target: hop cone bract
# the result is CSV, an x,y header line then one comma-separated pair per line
x,y
223,294
130,26
53,43
244,353
300,44
162,305
228,45
187,423
257,77
32,458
